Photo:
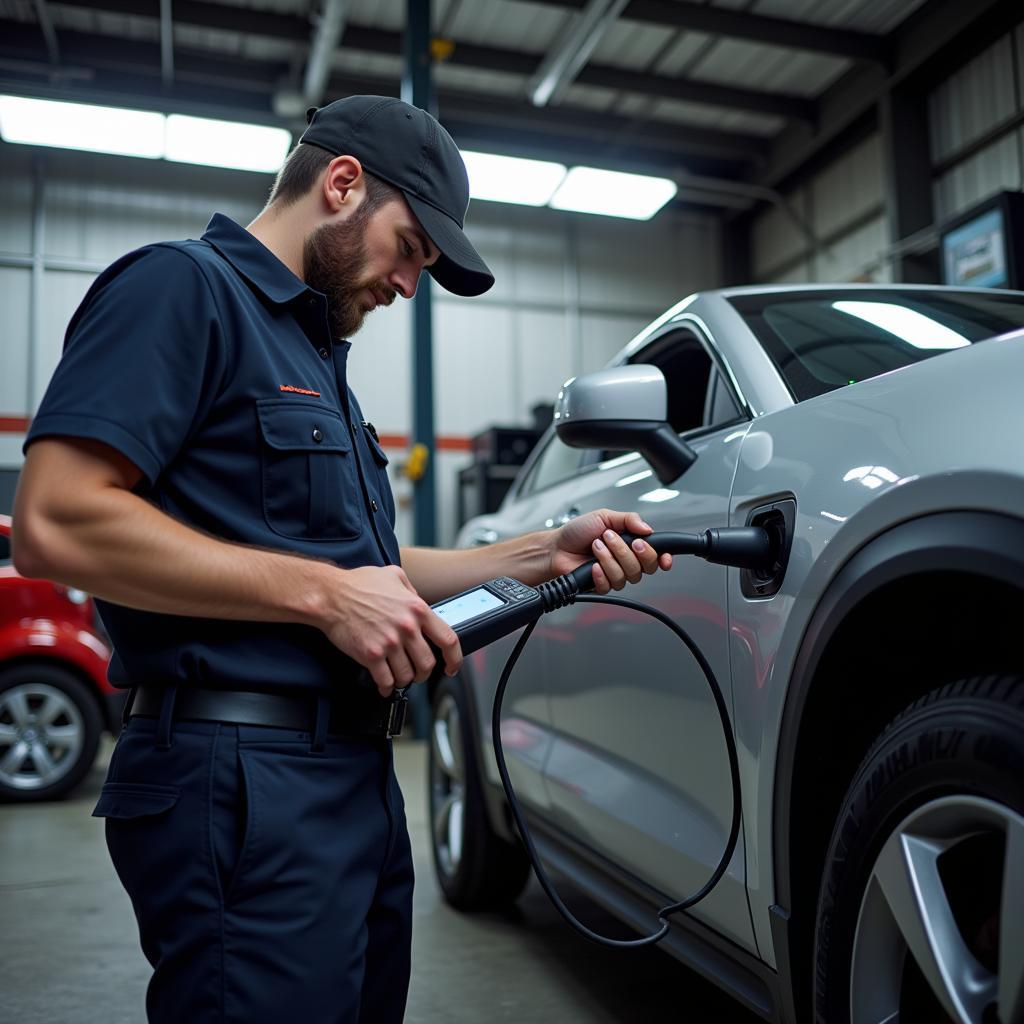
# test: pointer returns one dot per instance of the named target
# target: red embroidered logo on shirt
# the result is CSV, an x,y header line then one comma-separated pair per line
x,y
300,391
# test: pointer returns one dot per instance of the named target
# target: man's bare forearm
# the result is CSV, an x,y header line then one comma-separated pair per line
x,y
119,547
437,573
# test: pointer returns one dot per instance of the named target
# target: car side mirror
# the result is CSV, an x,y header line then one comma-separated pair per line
x,y
623,409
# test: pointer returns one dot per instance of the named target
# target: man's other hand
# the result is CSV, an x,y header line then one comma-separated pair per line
x,y
377,618
597,535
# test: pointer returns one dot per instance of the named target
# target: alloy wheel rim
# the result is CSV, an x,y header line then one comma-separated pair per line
x,y
448,785
42,733
940,928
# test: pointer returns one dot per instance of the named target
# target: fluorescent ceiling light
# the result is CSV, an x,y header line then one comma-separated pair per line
x,y
143,133
636,196
510,179
247,147
907,324
80,126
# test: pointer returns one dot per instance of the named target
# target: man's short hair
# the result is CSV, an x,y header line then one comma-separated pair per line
x,y
302,169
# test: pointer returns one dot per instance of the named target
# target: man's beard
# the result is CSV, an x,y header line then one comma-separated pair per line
x,y
333,259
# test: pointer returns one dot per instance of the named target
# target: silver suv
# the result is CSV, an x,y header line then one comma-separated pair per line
x,y
875,676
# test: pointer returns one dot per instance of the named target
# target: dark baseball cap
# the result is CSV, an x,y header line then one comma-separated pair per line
x,y
407,148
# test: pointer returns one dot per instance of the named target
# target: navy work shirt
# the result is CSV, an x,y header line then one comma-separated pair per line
x,y
210,366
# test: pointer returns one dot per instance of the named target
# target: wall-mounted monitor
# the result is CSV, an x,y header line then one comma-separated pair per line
x,y
984,247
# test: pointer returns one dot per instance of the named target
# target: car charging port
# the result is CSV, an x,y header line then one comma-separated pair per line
x,y
778,520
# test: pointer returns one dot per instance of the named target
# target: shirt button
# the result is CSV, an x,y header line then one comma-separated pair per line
x,y
311,301
324,353
318,435
373,505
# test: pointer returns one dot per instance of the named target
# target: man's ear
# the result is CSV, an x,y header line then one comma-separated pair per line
x,y
343,183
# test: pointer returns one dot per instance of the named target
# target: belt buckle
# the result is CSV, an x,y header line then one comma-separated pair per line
x,y
397,706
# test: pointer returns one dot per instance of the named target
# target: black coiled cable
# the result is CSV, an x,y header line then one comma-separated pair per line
x,y
556,595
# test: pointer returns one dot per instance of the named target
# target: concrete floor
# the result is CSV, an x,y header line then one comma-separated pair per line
x,y
69,952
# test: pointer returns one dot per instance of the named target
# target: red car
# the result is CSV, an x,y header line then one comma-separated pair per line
x,y
55,700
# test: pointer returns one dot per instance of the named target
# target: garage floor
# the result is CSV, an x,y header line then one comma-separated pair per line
x,y
69,953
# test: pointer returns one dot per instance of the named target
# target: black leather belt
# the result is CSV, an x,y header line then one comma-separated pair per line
x,y
368,717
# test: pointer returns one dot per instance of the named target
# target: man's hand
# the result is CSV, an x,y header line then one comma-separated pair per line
x,y
381,622
596,535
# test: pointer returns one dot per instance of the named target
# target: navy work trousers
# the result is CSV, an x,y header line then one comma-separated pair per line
x,y
271,882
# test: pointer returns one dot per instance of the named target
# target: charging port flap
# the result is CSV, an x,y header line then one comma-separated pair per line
x,y
778,519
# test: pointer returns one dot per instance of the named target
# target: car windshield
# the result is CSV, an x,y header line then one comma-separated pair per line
x,y
823,340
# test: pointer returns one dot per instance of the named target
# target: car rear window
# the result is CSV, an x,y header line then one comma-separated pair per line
x,y
824,340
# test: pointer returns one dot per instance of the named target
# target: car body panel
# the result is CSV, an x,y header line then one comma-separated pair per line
x,y
921,462
859,461
39,620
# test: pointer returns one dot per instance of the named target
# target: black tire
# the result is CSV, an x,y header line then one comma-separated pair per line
x,y
485,872
58,752
920,847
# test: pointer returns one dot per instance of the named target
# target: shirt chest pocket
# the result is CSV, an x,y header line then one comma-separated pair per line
x,y
310,483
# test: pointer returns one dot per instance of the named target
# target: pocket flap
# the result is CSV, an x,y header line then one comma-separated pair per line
x,y
375,446
135,800
301,426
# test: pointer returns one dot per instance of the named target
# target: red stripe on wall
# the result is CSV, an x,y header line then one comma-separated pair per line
x,y
444,444
13,424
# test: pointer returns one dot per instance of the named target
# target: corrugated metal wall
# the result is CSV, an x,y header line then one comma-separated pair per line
x,y
571,290
982,103
844,208
976,125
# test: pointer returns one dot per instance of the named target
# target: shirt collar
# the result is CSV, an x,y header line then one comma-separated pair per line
x,y
253,260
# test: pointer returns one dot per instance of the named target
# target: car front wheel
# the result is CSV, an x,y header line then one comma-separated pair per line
x,y
476,868
921,911
49,730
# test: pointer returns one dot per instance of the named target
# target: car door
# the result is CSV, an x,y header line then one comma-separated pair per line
x,y
637,771
546,483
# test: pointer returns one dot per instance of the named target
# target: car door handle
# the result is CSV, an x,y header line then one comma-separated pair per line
x,y
571,513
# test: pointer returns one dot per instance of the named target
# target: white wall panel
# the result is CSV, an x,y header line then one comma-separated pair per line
x,y
62,291
848,188
15,285
973,100
544,356
549,315
16,200
775,238
854,256
475,380
991,170
801,273
603,336
380,368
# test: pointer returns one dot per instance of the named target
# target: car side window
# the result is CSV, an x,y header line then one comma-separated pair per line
x,y
5,549
555,463
698,395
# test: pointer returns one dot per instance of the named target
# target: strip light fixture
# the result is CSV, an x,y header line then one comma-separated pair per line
x,y
250,147
613,193
510,179
141,133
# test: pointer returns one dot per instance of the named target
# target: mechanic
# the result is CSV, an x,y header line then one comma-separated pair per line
x,y
200,464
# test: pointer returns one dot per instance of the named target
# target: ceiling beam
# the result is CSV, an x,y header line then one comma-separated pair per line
x,y
569,53
797,35
486,58
128,71
939,36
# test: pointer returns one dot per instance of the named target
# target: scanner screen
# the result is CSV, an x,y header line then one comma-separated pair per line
x,y
466,606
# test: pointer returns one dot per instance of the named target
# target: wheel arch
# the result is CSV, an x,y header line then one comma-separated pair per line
x,y
72,669
882,635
